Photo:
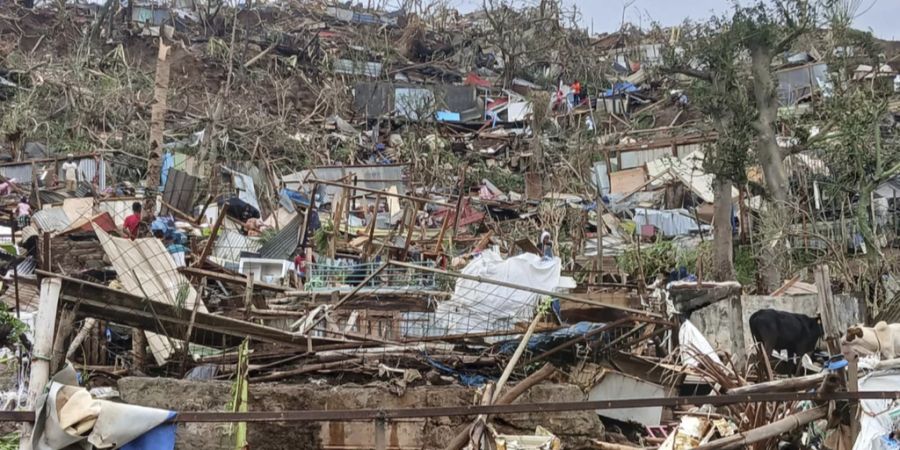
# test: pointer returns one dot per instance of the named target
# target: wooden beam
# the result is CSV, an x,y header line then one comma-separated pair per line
x,y
741,440
97,300
224,277
385,193
207,249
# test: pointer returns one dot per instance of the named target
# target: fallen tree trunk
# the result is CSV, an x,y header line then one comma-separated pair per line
x,y
462,438
785,385
768,431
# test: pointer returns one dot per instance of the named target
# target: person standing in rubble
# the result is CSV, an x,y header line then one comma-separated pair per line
x,y
23,213
70,170
546,245
300,266
576,93
133,222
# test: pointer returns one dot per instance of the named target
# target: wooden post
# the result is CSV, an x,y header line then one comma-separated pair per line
x,y
853,386
460,440
64,328
35,187
601,228
309,210
86,328
367,250
826,309
518,354
440,239
411,227
157,126
459,201
44,326
248,296
138,349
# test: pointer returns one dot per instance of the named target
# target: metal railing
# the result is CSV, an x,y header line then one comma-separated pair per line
x,y
336,274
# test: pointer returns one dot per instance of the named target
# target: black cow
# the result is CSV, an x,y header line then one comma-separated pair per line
x,y
239,209
797,334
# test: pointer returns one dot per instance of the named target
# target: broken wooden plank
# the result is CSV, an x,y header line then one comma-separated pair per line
x,y
102,302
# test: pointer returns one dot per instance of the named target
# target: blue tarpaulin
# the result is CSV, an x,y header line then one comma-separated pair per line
x,y
447,116
623,87
168,163
545,341
295,196
160,438
464,378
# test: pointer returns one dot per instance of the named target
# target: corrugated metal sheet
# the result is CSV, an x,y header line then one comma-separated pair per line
x,y
245,188
640,157
414,103
89,169
686,149
230,244
145,268
372,177
350,67
179,191
51,219
285,242
117,209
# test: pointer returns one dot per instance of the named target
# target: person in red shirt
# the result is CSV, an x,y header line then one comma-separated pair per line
x,y
133,221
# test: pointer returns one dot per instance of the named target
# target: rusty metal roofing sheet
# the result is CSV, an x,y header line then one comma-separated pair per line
x,y
179,191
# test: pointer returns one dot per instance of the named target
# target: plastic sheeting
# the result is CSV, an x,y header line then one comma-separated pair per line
x,y
69,417
875,421
545,341
691,338
481,306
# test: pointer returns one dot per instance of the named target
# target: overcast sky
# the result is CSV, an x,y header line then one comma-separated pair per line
x,y
881,16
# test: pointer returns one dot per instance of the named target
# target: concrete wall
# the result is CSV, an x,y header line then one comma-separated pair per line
x,y
574,428
717,324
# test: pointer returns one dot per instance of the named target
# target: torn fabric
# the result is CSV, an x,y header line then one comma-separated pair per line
x,y
481,306
68,416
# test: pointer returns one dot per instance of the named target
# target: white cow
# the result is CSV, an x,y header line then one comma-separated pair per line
x,y
883,340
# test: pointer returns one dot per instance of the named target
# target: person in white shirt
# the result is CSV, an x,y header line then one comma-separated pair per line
x,y
70,169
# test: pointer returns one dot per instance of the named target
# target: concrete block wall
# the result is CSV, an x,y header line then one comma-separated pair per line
x,y
717,321
575,428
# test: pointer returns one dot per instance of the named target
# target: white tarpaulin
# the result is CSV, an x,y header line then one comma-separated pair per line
x,y
480,307
875,421
145,268
69,417
692,340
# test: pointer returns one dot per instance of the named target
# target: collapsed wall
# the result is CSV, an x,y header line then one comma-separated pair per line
x,y
573,428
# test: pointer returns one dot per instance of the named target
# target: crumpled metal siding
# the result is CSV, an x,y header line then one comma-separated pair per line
x,y
51,219
87,170
229,245
285,242
379,177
